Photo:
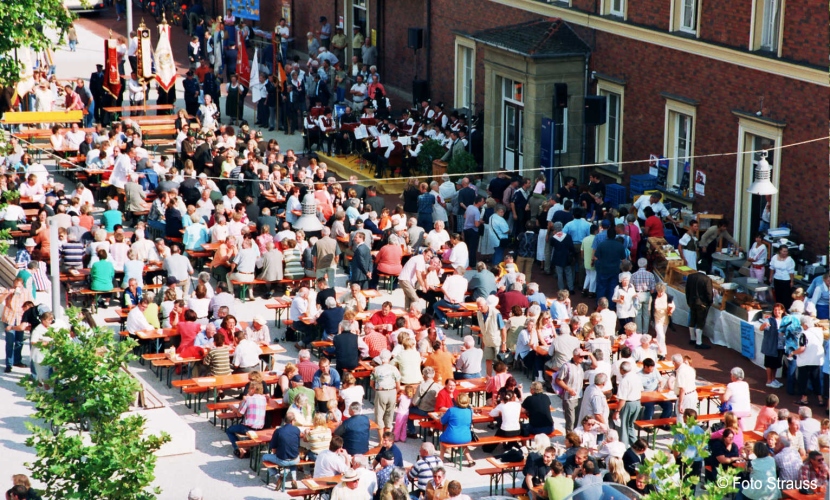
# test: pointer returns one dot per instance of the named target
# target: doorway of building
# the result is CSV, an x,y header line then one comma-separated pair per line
x,y
513,136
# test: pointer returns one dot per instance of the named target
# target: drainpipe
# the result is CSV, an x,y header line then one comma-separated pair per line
x,y
428,41
584,126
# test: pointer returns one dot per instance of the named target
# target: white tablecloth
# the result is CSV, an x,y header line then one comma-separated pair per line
x,y
721,327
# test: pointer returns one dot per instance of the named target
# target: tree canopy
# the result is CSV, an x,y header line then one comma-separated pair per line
x,y
28,23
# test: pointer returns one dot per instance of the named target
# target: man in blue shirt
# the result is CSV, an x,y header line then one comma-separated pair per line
x,y
650,378
285,450
387,443
355,431
534,295
325,368
578,229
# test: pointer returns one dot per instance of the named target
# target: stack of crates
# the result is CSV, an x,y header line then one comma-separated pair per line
x,y
615,195
642,183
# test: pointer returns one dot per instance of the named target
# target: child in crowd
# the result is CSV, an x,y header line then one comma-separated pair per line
x,y
402,412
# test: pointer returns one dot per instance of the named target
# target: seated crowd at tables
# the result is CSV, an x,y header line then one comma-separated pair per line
x,y
248,232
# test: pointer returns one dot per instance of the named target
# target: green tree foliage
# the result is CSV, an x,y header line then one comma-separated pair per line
x,y
430,150
461,164
675,481
114,460
28,23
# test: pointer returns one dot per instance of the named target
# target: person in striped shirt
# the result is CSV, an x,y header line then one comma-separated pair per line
x,y
252,411
218,360
423,471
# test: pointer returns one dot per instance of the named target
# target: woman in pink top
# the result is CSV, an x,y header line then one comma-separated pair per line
x,y
497,381
730,421
388,259
323,200
188,330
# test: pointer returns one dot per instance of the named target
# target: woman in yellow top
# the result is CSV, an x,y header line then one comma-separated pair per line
x,y
317,439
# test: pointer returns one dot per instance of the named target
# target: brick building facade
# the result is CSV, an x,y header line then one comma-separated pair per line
x,y
683,78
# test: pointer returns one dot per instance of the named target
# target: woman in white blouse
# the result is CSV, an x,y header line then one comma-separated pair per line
x,y
782,275
662,307
737,395
510,410
625,295
757,258
38,339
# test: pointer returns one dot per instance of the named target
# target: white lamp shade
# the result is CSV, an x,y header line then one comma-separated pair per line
x,y
762,184
309,222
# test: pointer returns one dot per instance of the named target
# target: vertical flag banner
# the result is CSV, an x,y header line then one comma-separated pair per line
x,y
27,76
144,54
112,80
165,65
243,65
257,88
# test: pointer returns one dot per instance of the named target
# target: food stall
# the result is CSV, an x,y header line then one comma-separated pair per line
x,y
740,302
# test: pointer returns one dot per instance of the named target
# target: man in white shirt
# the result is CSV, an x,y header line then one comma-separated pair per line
x,y
609,317
297,311
454,288
685,386
135,91
230,200
122,169
629,393
246,355
414,274
83,194
136,321
654,202
459,255
74,137
358,93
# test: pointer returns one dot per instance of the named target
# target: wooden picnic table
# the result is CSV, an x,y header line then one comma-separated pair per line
x,y
232,381
149,107
703,393
280,304
502,468
322,484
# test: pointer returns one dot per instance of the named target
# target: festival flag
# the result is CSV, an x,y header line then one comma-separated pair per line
x,y
27,76
165,65
112,80
243,65
257,89
281,74
144,53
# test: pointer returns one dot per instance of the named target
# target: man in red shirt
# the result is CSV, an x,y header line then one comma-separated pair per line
x,y
653,226
512,298
384,319
73,99
376,341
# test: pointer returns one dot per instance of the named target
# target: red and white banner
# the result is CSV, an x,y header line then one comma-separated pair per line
x,y
165,65
112,80
243,65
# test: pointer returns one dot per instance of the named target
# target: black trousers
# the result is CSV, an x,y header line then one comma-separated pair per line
x,y
471,240
809,375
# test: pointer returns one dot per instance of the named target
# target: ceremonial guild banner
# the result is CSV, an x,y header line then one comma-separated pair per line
x,y
144,53
165,65
112,80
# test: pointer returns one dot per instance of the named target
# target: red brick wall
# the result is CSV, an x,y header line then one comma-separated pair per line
x,y
726,22
585,5
720,88
397,64
806,32
465,16
653,13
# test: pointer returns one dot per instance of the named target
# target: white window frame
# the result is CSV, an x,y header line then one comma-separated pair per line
x,y
606,87
749,127
760,36
608,8
675,110
464,47
678,19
